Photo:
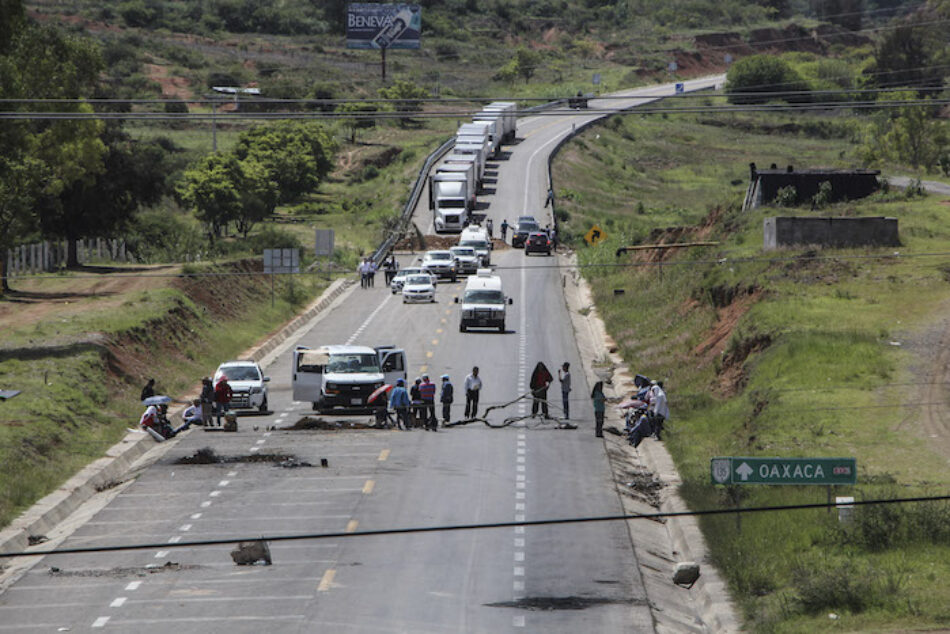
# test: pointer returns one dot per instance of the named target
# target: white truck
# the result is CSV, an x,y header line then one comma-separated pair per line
x,y
467,169
482,128
506,113
456,159
476,150
450,201
474,139
344,377
483,303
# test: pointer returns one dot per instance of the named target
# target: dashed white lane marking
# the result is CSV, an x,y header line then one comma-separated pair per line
x,y
267,434
255,448
134,585
185,527
521,468
519,555
519,506
231,474
196,516
519,571
519,485
224,483
518,587
517,620
521,436
174,539
519,530
519,517
214,494
206,504
118,602
520,459
101,621
520,477
365,323
519,542
260,442
521,450
161,553
519,495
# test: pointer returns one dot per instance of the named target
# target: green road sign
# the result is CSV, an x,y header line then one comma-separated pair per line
x,y
825,471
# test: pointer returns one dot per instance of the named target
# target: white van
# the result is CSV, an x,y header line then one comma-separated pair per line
x,y
483,303
476,236
344,376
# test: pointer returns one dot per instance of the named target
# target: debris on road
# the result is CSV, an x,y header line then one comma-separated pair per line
x,y
206,455
309,423
686,573
249,553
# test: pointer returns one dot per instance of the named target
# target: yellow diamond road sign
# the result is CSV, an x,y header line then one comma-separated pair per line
x,y
596,235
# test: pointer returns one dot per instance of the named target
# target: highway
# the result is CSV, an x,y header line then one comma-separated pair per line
x,y
572,578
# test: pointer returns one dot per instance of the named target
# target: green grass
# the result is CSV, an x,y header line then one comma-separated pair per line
x,y
824,379
72,408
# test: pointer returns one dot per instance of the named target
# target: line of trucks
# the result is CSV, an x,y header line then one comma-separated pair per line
x,y
454,186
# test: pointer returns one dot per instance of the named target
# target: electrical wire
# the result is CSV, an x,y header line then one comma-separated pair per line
x,y
444,528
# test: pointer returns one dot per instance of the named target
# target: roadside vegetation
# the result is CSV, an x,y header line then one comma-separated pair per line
x,y
797,352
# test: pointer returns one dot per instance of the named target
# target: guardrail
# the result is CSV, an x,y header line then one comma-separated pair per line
x,y
387,245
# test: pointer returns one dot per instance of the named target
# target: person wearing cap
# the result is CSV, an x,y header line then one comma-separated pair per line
x,y
659,410
446,396
427,394
399,401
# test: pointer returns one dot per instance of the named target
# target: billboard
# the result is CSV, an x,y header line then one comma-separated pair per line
x,y
379,26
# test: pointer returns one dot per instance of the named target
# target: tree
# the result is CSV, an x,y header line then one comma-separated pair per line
x,y
359,119
915,138
765,74
912,56
526,62
21,185
211,188
404,95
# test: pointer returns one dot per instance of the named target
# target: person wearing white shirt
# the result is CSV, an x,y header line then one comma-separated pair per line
x,y
194,415
473,386
659,409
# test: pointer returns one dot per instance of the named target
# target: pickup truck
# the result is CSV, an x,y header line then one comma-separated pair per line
x,y
343,377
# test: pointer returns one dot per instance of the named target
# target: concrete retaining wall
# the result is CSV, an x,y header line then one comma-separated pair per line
x,y
783,231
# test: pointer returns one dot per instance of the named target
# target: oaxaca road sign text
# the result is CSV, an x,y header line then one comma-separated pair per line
x,y
825,471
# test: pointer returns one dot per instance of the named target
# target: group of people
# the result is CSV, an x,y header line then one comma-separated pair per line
x,y
548,229
415,406
213,402
647,419
367,270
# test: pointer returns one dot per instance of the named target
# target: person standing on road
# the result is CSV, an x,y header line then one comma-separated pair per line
x,y
148,390
540,380
222,397
600,405
416,397
473,387
391,267
364,273
446,396
564,376
504,229
207,400
427,394
372,273
399,401
491,228
550,198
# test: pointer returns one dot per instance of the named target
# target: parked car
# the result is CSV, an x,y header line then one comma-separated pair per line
x,y
537,242
247,383
440,264
466,259
522,231
396,284
418,288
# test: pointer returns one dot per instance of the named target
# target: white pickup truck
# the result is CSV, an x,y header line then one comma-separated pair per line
x,y
343,377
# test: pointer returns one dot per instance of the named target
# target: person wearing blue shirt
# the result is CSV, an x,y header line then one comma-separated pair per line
x,y
399,401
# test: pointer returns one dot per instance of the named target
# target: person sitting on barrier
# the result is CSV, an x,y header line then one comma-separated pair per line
x,y
640,430
194,415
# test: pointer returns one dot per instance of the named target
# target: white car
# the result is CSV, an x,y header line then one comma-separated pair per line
x,y
466,259
396,284
247,383
440,263
418,288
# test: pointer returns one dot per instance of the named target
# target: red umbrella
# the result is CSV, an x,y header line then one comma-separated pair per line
x,y
382,389
632,403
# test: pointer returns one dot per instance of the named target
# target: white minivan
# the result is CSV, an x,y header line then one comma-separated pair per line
x,y
483,303
476,236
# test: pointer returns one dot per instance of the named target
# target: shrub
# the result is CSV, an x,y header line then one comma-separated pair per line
x,y
786,197
823,197
765,74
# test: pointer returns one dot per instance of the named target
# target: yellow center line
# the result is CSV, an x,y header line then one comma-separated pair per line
x,y
351,526
448,312
438,331
546,125
383,455
327,580
435,342
423,369
368,487
429,355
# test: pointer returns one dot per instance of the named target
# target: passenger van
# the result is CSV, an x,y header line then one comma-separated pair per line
x,y
483,303
344,377
476,236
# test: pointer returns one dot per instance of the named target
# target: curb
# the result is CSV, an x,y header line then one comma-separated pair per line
x,y
134,451
708,607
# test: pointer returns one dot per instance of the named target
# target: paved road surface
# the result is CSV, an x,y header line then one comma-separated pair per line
x,y
573,578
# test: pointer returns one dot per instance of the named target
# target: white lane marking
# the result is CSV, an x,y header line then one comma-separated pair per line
x,y
521,436
521,468
520,477
260,442
521,450
255,448
520,459
134,585
517,586
161,553
519,495
231,474
267,434
224,483
519,556
174,540
206,504
519,517
117,603
519,542
214,494
519,506
519,530
519,485
101,621
185,527
365,323
522,443
196,516
517,620
519,571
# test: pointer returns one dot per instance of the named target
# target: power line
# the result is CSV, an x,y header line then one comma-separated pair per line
x,y
470,527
